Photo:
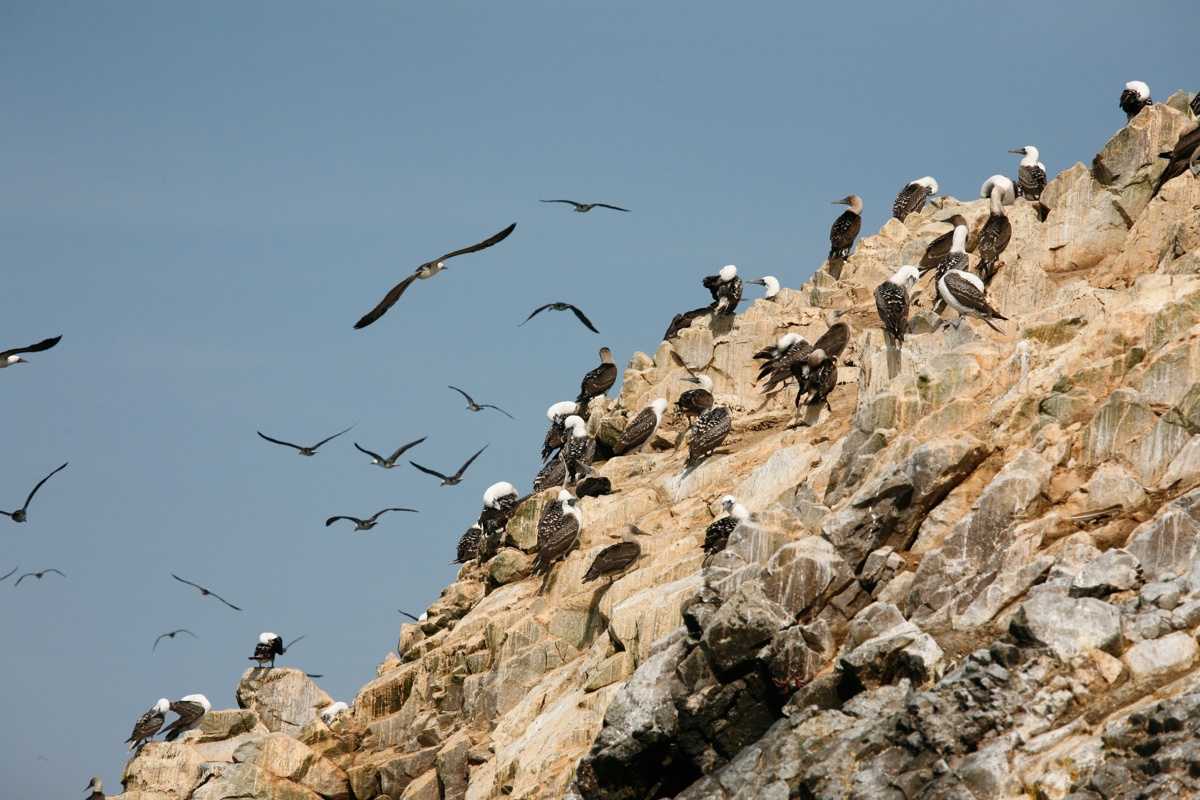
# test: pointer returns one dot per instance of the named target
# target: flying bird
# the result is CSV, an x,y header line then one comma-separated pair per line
x,y
171,635
20,514
1135,97
96,787
564,307
846,227
1031,175
599,380
205,592
413,617
304,451
369,522
912,197
13,356
454,479
585,207
191,710
473,406
427,270
390,461
10,574
37,575
148,724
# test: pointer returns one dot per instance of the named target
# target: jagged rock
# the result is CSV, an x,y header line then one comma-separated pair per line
x,y
1068,626
1170,542
226,781
744,623
1113,571
1172,653
284,757
903,652
283,698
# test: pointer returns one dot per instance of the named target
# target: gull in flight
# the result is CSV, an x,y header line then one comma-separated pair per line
x,y
37,575
369,522
564,307
205,592
390,461
585,207
473,406
456,477
304,451
171,635
19,515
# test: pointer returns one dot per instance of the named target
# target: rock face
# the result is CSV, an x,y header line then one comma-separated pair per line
x,y
975,576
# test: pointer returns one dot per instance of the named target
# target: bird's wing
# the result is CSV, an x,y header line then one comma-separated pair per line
x,y
400,450
583,319
52,570
542,308
968,295
572,202
45,344
43,480
499,237
223,600
293,641
387,302
159,639
498,408
332,520
463,468
405,613
375,456
14,570
606,205
7,513
323,441
23,577
464,394
189,583
413,510
834,340
275,441
428,471
189,633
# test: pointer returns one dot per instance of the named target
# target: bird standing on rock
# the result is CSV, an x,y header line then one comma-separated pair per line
x,y
707,433
726,289
1031,175
891,301
845,228
912,197
643,426
599,380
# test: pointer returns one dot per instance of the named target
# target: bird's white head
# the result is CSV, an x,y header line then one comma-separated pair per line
x,y
95,786
906,276
576,425
705,382
560,410
564,496
659,405
162,705
1001,183
929,183
1142,90
1031,155
496,491
198,698
728,502
728,273
787,340
15,360
266,637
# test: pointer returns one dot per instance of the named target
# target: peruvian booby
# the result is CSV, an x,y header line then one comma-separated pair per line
x,y
695,402
585,207
269,645
563,307
912,197
777,360
147,725
304,451
172,635
558,531
707,433
554,473
771,283
96,787
891,301
468,547
1031,176
599,380
579,448
192,709
726,290
369,522
500,503
817,378
684,320
20,515
940,246
557,434
846,227
1195,104
592,485
835,338
956,257
1008,194
37,575
643,426
1135,97
1181,156
13,356
456,478
616,558
205,592
997,230
427,270
473,406
964,292
716,535
390,461
331,712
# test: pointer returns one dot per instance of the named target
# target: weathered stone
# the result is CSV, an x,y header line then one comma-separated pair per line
x,y
247,780
1152,658
1170,542
744,623
284,698
284,757
1068,626
1112,571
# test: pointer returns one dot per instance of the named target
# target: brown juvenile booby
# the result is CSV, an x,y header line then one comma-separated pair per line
x,y
1031,176
891,301
473,406
707,433
846,227
643,426
172,635
585,207
558,531
390,461
20,515
304,451
912,197
563,307
369,522
96,787
771,283
616,558
468,545
37,575
205,592
456,478
599,380
997,230
191,710
716,535
554,473
964,292
684,320
13,356
148,724
940,246
427,270
835,338
694,402
557,434
726,290
1135,97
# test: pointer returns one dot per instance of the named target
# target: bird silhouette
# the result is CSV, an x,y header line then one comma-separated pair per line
x,y
19,515
369,522
205,592
583,208
171,635
473,406
304,451
454,479
37,575
563,307
13,356
390,461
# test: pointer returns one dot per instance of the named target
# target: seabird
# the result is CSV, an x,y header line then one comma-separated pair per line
x,y
716,535
564,307
424,616
997,231
205,592
684,320
845,228
615,558
777,360
20,514
304,451
96,787
817,378
146,727
1008,194
369,522
708,432
10,357
37,575
1031,176
891,301
638,432
592,485
269,645
585,207
912,197
940,246
172,635
579,448
191,710
1181,156
694,402
10,574
835,338
726,290
331,713
558,531
456,478
500,502
557,434
771,283
598,381
553,474
956,257
1135,97
473,406
1195,104
390,461
964,292
468,547
427,270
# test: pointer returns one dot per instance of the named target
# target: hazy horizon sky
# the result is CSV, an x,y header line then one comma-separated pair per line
x,y
203,198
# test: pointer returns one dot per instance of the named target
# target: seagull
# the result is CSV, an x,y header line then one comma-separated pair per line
x,y
456,477
171,635
473,406
96,787
205,592
191,710
563,307
369,522
146,726
10,574
390,461
37,575
426,270
10,357
19,515
585,207
304,451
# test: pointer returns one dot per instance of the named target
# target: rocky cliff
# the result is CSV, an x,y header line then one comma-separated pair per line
x,y
975,578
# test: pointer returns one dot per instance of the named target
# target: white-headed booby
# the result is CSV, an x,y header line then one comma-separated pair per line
x,y
891,301
558,531
304,451
956,257
583,208
694,402
643,426
616,558
912,197
940,246
563,307
148,724
579,448
21,514
96,787
500,502
390,461
456,478
771,283
997,230
554,473
599,380
1031,176
707,433
13,356
716,535
1135,97
846,227
269,645
192,709
557,434
777,360
964,292
726,290
468,544
369,522
331,712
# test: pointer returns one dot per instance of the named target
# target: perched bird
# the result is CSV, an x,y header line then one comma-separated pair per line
x,y
1135,97
777,360
551,475
427,270
390,461
269,645
599,380
997,230
369,522
191,710
684,320
694,402
579,448
964,292
96,787
500,503
726,290
940,246
558,531
716,535
1182,156
20,514
891,301
956,257
592,485
708,432
473,406
585,207
835,338
1031,176
557,434
563,307
147,725
771,283
817,378
845,228
456,478
616,558
331,713
37,575
172,635
1008,194
13,356
912,197
468,545
304,451
205,592
643,426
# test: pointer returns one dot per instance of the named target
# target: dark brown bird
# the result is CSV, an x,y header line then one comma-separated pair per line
x,y
592,485
817,378
891,301
172,635
845,228
707,433
563,307
994,237
1181,156
390,461
616,558
205,592
695,402
551,475
558,531
304,451
450,480
148,724
20,514
37,575
940,246
473,406
684,320
912,197
583,208
599,380
643,426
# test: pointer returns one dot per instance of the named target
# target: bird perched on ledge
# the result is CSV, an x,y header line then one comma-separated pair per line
x,y
846,227
997,230
891,301
1031,175
643,426
964,292
269,645
148,724
912,197
716,535
726,289
694,402
558,531
616,558
598,380
707,433
1135,97
192,709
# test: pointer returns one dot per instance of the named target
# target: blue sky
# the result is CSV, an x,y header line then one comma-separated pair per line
x,y
203,198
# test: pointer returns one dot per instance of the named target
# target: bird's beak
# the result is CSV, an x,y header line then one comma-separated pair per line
x,y
845,201
20,361
638,531
758,283
1021,151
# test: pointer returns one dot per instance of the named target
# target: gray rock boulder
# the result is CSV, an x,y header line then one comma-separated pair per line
x,y
1067,626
